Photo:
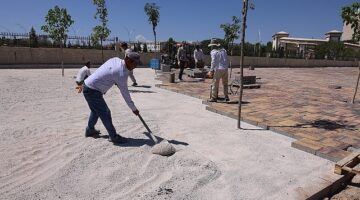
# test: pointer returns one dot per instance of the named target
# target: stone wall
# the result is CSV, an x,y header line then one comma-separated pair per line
x,y
26,55
52,56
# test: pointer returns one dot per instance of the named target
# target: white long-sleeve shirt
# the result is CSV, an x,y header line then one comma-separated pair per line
x,y
127,51
219,59
198,55
83,73
112,72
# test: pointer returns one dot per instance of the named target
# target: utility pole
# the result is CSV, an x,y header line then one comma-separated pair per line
x,y
129,32
259,43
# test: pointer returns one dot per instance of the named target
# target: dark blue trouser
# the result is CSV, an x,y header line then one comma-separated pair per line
x,y
182,67
98,109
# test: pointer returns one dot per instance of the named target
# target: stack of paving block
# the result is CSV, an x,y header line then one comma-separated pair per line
x,y
197,73
249,82
165,67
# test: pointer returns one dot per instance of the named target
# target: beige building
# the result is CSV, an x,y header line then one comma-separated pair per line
x,y
304,46
347,33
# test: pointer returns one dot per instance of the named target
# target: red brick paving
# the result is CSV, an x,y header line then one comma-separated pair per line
x,y
301,103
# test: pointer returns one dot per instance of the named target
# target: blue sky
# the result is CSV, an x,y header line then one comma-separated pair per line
x,y
190,20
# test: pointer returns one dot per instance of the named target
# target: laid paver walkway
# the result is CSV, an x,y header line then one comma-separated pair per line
x,y
309,104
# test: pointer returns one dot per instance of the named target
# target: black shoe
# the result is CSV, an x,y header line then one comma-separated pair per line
x,y
212,100
227,98
118,139
91,132
134,84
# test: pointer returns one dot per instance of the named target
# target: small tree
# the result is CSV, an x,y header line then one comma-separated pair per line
x,y
33,38
331,50
152,11
138,47
268,48
244,16
204,45
169,47
351,15
57,23
145,49
100,32
232,32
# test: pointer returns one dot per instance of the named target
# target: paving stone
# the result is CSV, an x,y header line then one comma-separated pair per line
x,y
294,102
309,135
307,145
332,142
332,154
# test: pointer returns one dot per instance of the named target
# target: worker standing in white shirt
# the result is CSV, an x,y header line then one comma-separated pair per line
x,y
113,72
198,57
219,66
83,73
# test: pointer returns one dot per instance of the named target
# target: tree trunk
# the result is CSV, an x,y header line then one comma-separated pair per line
x,y
245,7
155,39
62,60
155,48
102,51
357,85
231,50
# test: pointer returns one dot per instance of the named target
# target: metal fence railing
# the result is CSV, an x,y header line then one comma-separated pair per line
x,y
41,40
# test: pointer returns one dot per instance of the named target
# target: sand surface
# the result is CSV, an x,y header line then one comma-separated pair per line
x,y
44,154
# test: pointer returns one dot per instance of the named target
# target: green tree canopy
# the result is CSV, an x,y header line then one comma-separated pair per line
x,y
169,46
330,50
100,32
33,38
351,15
231,31
57,23
145,49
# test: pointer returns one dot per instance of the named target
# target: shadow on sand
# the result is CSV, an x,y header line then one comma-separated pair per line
x,y
161,139
143,86
140,91
133,142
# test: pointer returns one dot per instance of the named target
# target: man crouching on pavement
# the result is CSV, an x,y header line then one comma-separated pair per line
x,y
113,71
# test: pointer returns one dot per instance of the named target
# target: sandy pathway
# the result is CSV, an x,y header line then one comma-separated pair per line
x,y
44,154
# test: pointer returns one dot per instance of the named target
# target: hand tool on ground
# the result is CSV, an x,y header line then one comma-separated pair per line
x,y
163,148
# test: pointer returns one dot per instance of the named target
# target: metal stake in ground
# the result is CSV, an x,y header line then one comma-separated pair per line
x,y
163,148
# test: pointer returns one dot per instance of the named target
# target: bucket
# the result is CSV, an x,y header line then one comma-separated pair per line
x,y
155,63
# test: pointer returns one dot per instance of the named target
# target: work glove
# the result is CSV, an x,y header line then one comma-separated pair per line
x,y
210,74
79,88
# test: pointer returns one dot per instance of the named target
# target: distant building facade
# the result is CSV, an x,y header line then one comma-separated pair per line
x,y
304,47
347,33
